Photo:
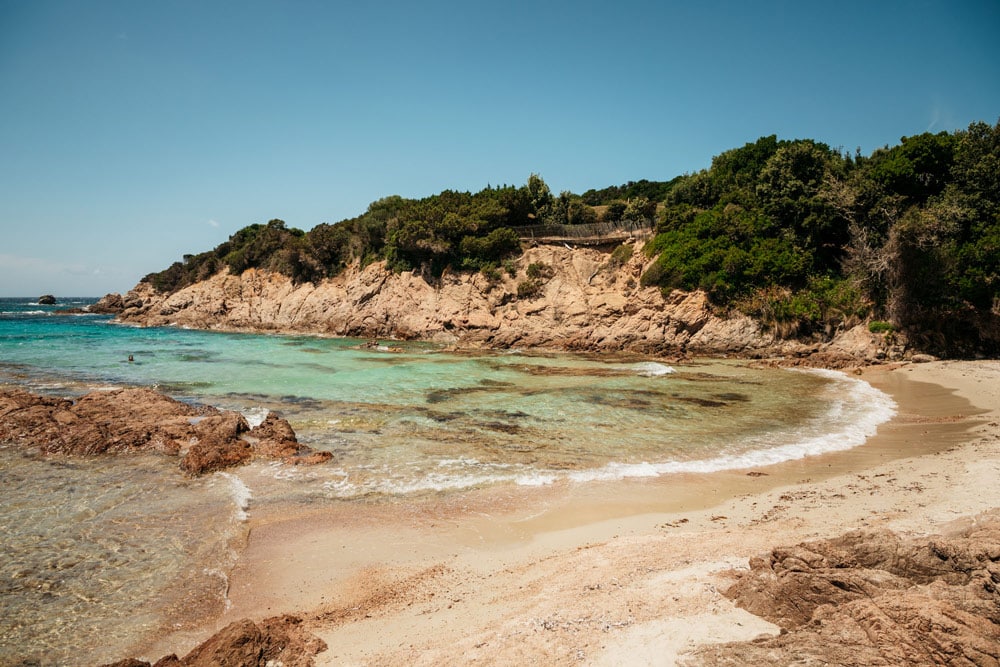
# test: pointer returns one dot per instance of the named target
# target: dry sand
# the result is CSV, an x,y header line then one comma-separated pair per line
x,y
609,574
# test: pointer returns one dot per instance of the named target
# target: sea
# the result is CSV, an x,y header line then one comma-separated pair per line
x,y
100,552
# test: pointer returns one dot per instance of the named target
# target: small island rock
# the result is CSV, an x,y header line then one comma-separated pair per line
x,y
47,300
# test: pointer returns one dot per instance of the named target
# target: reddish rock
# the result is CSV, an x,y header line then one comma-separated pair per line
x,y
275,437
280,640
128,420
214,455
309,458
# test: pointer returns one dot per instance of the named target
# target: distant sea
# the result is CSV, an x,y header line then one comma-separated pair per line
x,y
100,551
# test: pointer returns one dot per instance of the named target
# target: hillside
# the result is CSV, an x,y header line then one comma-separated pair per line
x,y
584,300
779,245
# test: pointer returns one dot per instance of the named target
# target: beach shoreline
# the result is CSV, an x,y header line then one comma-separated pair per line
x,y
582,573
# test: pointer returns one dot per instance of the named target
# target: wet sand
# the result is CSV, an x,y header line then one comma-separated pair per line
x,y
609,573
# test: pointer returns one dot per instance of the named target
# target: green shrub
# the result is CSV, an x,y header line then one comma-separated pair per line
x,y
621,255
527,289
491,273
879,326
538,271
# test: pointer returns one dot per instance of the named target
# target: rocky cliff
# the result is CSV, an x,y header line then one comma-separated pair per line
x,y
557,297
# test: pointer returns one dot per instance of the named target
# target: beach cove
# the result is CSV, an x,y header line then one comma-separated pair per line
x,y
554,508
619,573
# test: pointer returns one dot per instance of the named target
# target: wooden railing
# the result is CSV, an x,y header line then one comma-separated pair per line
x,y
593,233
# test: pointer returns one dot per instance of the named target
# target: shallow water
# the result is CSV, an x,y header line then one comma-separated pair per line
x,y
99,552
104,539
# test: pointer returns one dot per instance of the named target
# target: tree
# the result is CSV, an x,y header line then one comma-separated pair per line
x,y
539,196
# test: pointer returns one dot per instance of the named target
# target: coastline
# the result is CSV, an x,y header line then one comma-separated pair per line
x,y
591,572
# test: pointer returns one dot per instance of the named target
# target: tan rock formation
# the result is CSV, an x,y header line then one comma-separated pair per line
x,y
873,598
583,301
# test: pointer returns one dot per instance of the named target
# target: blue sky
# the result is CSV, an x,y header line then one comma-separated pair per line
x,y
133,132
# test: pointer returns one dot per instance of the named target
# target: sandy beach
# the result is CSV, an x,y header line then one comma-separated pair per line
x,y
607,574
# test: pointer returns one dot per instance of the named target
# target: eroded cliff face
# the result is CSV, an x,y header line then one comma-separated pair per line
x,y
584,301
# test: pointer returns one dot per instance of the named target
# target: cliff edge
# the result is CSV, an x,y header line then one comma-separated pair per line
x,y
554,296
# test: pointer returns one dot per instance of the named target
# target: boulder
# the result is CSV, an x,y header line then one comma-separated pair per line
x,y
874,598
47,300
109,304
140,419
279,640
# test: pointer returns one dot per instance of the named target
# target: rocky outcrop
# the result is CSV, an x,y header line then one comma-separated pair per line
x,y
581,300
109,304
873,598
47,300
280,640
139,419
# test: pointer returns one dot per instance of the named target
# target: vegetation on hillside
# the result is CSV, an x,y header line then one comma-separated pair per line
x,y
451,229
803,236
806,237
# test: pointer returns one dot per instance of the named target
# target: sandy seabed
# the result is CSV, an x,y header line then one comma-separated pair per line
x,y
625,573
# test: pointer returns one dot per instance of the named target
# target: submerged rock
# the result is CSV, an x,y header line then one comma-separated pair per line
x,y
874,598
279,640
139,419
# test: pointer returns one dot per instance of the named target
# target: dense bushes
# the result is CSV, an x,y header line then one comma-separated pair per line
x,y
451,229
806,237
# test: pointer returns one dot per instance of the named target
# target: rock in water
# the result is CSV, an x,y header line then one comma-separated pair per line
x,y
47,300
139,419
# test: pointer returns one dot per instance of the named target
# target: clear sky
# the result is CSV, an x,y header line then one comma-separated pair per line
x,y
135,131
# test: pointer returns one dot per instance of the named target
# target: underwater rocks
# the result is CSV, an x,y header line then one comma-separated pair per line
x,y
874,598
279,640
139,419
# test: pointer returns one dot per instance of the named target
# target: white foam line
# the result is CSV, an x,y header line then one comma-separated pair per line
x,y
653,369
240,493
856,409
216,572
858,417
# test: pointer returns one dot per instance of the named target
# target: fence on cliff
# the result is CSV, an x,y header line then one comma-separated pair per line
x,y
595,233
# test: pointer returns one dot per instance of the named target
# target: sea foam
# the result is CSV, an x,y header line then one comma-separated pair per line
x,y
856,409
255,416
653,369
240,494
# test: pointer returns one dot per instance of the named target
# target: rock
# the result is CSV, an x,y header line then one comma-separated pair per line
x,y
874,598
579,307
109,304
139,419
214,455
279,640
922,358
274,438
47,300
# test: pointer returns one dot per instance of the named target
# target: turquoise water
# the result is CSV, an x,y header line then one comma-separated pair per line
x,y
402,420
